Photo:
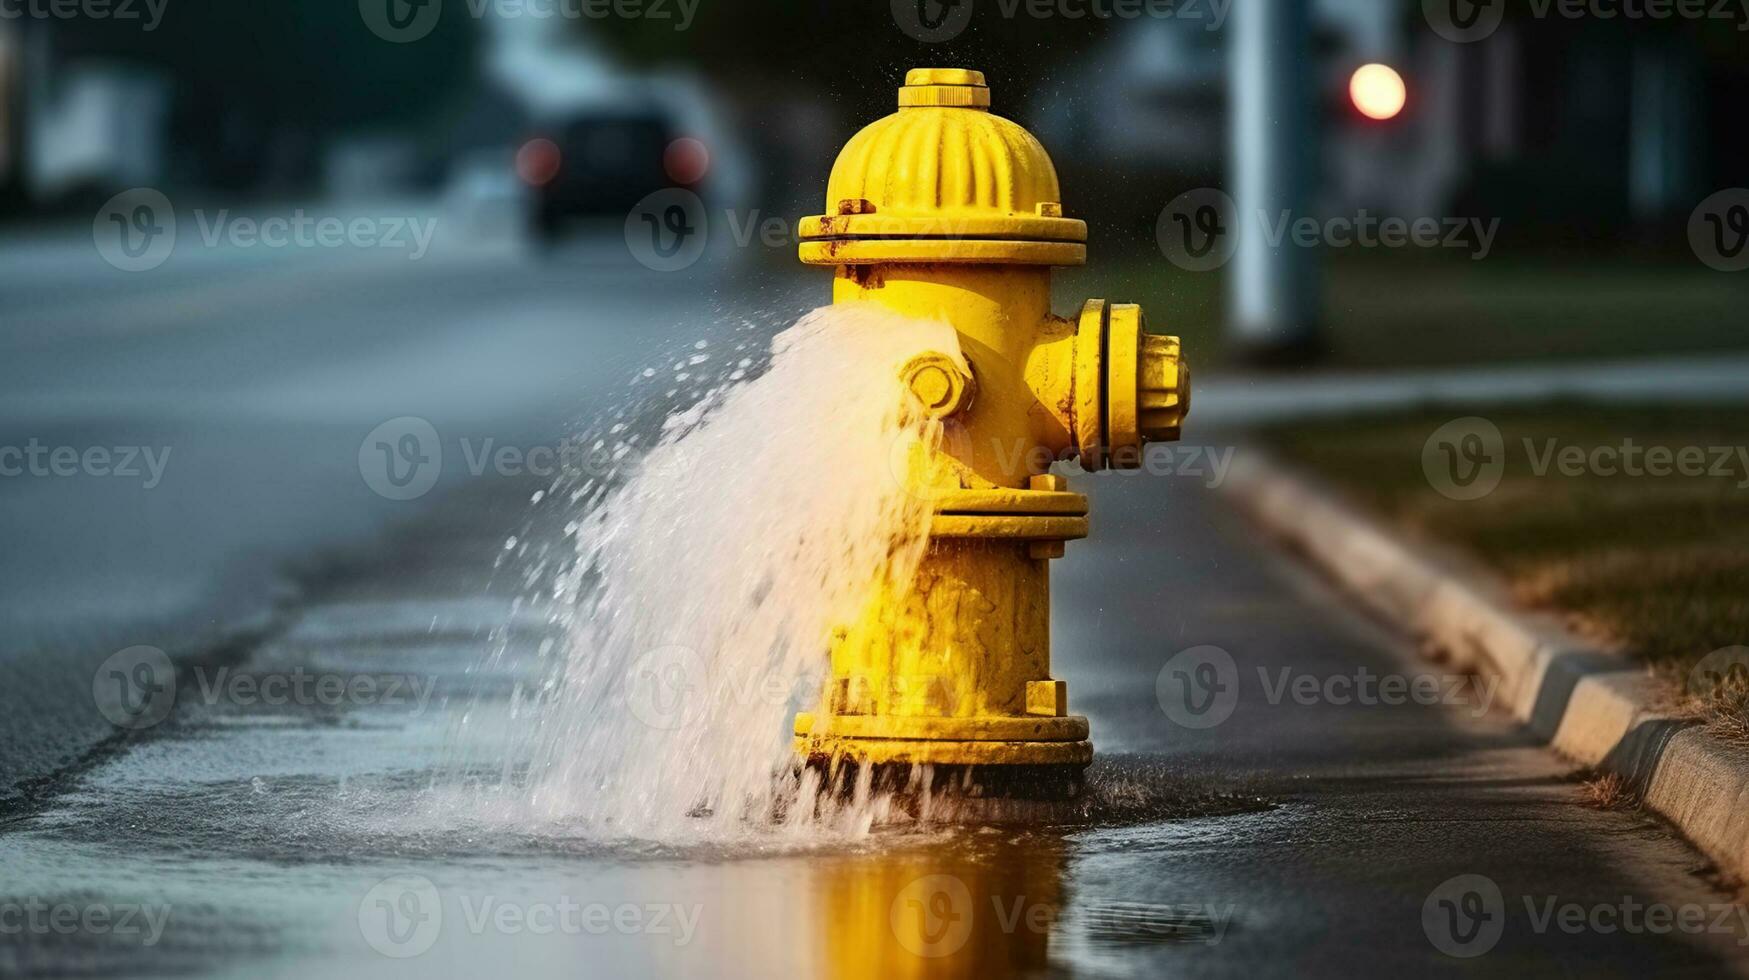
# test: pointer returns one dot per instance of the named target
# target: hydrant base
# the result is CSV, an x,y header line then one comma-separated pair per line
x,y
1036,782
905,751
991,741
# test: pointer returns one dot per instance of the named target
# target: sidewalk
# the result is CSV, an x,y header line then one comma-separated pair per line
x,y
1230,400
1598,708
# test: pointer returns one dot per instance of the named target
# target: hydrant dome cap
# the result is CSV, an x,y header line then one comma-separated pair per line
x,y
943,180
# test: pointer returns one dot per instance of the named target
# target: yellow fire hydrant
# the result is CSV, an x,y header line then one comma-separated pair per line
x,y
945,211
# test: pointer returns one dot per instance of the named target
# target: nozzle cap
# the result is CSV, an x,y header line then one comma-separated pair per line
x,y
1164,396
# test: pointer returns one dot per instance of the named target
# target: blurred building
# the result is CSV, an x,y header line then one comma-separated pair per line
x,y
1559,124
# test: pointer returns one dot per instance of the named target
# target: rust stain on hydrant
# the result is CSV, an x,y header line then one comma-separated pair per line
x,y
946,211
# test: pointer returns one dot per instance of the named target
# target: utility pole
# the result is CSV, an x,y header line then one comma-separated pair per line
x,y
1272,289
12,119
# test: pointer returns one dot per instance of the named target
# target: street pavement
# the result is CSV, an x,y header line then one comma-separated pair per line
x,y
251,381
1272,797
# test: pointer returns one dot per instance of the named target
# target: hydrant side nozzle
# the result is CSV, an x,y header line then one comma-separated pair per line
x,y
1130,387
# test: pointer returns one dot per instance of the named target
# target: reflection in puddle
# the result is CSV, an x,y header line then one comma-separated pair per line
x,y
943,914
981,911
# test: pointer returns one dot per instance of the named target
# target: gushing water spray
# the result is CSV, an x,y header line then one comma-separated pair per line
x,y
706,586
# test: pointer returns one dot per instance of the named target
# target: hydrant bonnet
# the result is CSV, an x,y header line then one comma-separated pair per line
x,y
943,180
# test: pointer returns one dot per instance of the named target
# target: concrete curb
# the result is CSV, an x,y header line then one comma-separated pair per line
x,y
1590,705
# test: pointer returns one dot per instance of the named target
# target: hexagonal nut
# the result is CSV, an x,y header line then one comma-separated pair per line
x,y
941,386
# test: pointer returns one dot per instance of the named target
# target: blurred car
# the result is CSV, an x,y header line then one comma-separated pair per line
x,y
595,163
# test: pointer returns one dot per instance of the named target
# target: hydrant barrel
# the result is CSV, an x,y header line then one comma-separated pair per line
x,y
946,211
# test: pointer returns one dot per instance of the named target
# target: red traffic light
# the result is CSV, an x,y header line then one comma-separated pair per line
x,y
1377,91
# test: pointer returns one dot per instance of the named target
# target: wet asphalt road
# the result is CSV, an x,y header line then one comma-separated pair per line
x,y
1293,826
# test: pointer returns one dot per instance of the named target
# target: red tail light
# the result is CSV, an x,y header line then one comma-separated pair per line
x,y
537,161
